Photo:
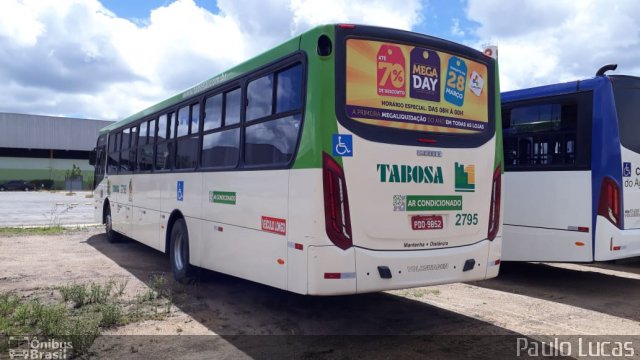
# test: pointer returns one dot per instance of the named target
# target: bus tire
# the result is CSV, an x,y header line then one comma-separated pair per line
x,y
179,253
112,235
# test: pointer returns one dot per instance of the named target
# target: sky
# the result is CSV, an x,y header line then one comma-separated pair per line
x,y
107,59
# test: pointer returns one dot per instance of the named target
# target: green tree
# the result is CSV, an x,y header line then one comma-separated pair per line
x,y
74,172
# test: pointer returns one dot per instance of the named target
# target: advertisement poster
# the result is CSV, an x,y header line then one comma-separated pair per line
x,y
415,88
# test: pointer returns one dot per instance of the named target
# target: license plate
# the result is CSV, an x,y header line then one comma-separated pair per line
x,y
432,222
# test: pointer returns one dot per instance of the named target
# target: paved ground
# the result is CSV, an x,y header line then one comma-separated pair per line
x,y
19,208
527,300
479,320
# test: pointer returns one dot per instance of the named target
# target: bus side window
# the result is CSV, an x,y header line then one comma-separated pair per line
x,y
146,154
221,131
212,112
117,152
164,156
183,121
194,128
543,134
272,142
124,151
186,143
221,149
232,107
260,97
271,139
112,163
164,148
289,91
133,149
524,152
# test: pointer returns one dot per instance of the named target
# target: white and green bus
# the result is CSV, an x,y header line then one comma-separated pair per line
x,y
349,159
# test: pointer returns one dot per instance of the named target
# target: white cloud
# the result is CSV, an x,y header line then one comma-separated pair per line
x,y
455,28
548,41
403,15
20,25
77,58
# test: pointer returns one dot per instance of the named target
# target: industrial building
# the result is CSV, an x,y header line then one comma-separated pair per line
x,y
44,148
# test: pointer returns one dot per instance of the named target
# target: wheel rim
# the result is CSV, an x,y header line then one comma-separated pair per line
x,y
178,252
108,224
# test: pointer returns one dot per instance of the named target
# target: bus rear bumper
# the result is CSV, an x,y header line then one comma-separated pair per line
x,y
613,243
406,269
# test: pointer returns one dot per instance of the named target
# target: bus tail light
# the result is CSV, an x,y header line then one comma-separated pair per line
x,y
494,211
609,203
336,203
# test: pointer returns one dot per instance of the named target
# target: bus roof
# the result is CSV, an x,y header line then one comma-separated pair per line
x,y
557,89
279,51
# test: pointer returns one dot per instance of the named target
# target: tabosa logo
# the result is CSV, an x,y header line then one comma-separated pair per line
x,y
407,173
465,178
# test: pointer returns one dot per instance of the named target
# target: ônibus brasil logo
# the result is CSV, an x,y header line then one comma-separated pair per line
x,y
406,173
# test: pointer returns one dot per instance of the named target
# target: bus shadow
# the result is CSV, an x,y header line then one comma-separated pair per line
x,y
631,265
243,312
591,290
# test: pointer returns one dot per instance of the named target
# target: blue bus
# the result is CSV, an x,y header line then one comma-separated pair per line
x,y
572,170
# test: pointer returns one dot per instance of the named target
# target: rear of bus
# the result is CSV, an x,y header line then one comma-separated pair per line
x,y
412,173
617,221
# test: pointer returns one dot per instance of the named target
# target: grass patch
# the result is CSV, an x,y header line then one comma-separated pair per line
x,y
45,230
84,294
110,314
82,311
120,286
53,321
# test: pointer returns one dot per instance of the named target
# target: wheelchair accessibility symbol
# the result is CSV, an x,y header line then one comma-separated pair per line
x,y
180,191
626,169
342,145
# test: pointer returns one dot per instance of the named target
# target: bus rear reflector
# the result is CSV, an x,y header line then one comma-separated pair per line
x,y
609,202
615,247
336,203
578,228
343,275
494,211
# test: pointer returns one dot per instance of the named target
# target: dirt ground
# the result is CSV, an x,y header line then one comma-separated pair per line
x,y
536,301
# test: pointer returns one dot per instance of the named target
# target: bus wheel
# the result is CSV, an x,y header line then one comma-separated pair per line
x,y
179,252
112,236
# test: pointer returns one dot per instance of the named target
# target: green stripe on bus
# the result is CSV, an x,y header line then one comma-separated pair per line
x,y
320,121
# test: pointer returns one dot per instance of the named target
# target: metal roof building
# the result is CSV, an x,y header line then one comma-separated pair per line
x,y
44,148
48,132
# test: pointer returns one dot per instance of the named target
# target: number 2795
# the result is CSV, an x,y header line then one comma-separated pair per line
x,y
466,219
